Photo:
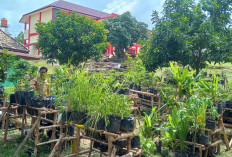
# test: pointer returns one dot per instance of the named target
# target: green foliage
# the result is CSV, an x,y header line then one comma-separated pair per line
x,y
178,127
211,89
6,61
84,92
20,37
189,32
125,30
71,39
148,146
149,120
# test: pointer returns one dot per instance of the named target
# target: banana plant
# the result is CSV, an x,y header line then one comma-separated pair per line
x,y
184,80
211,89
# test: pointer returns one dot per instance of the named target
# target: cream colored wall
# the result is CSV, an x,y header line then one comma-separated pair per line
x,y
33,50
34,39
34,20
46,15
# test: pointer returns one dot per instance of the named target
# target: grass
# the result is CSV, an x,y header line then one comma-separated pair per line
x,y
43,63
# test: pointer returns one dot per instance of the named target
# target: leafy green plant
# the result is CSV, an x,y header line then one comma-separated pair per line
x,y
148,146
149,120
212,90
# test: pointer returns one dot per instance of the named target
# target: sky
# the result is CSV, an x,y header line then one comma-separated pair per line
x,y
13,10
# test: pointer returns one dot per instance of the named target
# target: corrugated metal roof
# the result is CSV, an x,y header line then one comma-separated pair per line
x,y
6,41
74,7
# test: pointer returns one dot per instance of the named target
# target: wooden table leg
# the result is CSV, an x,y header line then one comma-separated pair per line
x,y
91,148
200,151
129,144
37,135
78,135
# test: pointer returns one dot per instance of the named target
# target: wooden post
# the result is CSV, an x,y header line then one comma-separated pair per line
x,y
37,135
60,145
128,144
6,126
110,141
54,129
23,120
224,133
91,148
78,140
28,135
57,145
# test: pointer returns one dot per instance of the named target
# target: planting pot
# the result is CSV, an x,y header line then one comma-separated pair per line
x,y
218,75
210,75
131,85
228,104
165,79
12,98
127,124
158,147
227,113
222,82
78,117
121,152
210,124
49,103
203,139
165,152
181,153
96,145
101,124
223,104
50,116
114,124
71,130
20,110
189,137
103,148
219,108
28,97
122,91
135,142
20,98
30,111
65,116
138,87
121,143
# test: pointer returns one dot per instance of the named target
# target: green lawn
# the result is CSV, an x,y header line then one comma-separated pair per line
x,y
43,63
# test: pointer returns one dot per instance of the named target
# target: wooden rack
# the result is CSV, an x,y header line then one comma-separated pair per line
x,y
215,138
36,126
226,124
144,102
110,136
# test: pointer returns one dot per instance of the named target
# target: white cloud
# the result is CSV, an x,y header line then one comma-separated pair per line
x,y
121,6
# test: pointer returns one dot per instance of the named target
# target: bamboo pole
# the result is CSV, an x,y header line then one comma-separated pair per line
x,y
28,135
55,147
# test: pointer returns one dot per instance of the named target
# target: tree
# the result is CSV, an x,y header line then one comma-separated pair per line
x,y
124,31
20,37
71,39
6,61
189,32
